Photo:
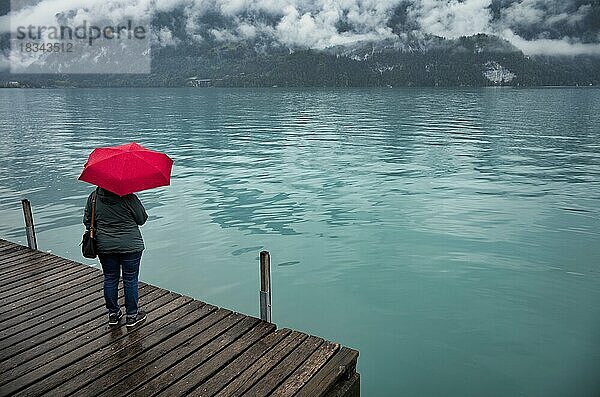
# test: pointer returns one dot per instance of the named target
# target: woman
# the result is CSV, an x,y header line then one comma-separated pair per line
x,y
120,245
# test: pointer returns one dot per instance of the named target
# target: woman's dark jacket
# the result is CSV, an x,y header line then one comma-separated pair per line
x,y
116,222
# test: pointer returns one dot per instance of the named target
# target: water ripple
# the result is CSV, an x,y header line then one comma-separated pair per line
x,y
388,169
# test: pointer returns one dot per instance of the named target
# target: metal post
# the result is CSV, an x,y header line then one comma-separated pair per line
x,y
29,228
265,286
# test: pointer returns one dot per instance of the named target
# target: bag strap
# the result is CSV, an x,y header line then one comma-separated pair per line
x,y
93,212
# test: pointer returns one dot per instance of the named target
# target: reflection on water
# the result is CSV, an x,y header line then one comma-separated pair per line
x,y
441,232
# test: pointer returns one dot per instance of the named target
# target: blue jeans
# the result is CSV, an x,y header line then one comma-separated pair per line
x,y
111,266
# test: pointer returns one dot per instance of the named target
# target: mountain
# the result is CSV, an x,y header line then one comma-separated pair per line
x,y
209,57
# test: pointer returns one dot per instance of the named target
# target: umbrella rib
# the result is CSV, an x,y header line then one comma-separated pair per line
x,y
108,158
152,165
122,170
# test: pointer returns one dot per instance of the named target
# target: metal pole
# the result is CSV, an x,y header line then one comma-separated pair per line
x,y
29,228
265,286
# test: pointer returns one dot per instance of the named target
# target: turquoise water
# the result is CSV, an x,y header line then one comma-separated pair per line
x,y
452,236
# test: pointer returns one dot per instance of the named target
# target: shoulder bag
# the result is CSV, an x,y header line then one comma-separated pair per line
x,y
88,242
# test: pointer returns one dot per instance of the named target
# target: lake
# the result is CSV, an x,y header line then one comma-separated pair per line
x,y
452,236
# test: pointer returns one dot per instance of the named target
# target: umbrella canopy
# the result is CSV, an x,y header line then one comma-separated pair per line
x,y
127,168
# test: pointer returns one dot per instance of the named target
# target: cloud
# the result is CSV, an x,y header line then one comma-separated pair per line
x,y
297,23
565,46
526,12
54,12
453,18
320,30
534,26
43,20
545,13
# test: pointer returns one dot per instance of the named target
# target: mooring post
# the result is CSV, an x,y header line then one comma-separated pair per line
x,y
265,286
29,228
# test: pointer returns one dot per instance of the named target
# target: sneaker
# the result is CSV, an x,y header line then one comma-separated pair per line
x,y
132,321
114,318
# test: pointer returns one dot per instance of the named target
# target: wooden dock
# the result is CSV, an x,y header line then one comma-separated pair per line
x,y
55,341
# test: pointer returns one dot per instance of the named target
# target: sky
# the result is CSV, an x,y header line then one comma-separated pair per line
x,y
537,27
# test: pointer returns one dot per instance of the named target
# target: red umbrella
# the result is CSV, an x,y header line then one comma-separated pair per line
x,y
127,168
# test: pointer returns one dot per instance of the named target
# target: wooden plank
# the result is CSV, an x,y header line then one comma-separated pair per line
x,y
37,288
27,332
41,310
120,372
14,258
21,263
48,265
52,374
31,302
14,309
52,266
7,253
4,243
21,266
52,332
309,368
52,288
38,284
7,248
170,352
287,366
339,366
33,266
10,248
262,366
128,356
166,378
11,243
200,374
50,291
91,327
11,259
346,387
218,381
